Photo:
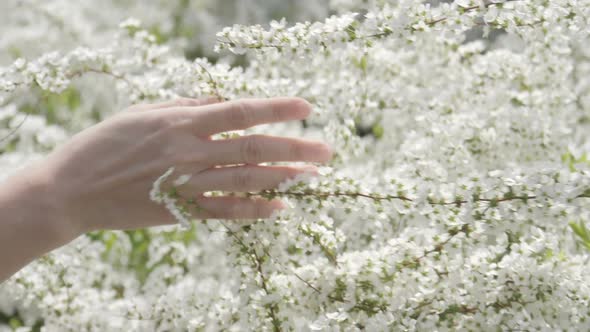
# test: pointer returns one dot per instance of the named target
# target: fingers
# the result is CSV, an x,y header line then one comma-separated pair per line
x,y
255,149
245,113
212,208
237,208
180,102
243,178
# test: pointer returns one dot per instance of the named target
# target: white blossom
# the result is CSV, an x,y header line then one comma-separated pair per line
x,y
456,200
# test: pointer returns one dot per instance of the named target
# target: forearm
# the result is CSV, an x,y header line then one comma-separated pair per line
x,y
30,223
72,191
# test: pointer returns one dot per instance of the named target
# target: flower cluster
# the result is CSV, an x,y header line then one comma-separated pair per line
x,y
458,198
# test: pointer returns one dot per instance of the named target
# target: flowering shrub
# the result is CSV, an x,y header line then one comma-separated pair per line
x,y
458,199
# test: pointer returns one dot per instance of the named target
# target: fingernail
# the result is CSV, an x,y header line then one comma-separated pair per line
x,y
309,169
280,205
329,152
277,211
302,107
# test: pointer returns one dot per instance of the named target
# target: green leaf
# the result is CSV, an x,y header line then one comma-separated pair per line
x,y
378,131
351,30
363,64
15,323
569,159
582,232
578,229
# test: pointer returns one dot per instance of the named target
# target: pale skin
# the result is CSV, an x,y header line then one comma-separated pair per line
x,y
101,178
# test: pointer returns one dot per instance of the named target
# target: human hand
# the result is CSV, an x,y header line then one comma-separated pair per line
x,y
102,177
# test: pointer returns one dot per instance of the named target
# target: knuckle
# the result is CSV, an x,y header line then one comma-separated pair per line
x,y
171,122
259,209
180,158
252,149
171,153
174,148
185,153
236,210
276,114
296,151
199,156
242,178
240,115
160,123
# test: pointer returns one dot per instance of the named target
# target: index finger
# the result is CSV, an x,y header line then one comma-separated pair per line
x,y
246,113
179,102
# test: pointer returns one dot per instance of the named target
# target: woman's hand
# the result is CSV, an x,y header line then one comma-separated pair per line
x,y
103,176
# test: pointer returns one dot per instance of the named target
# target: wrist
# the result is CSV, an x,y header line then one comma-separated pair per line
x,y
36,186
31,221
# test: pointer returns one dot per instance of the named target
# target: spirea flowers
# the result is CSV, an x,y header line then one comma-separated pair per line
x,y
459,198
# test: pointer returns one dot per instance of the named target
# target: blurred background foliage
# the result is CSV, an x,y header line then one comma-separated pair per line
x,y
33,27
